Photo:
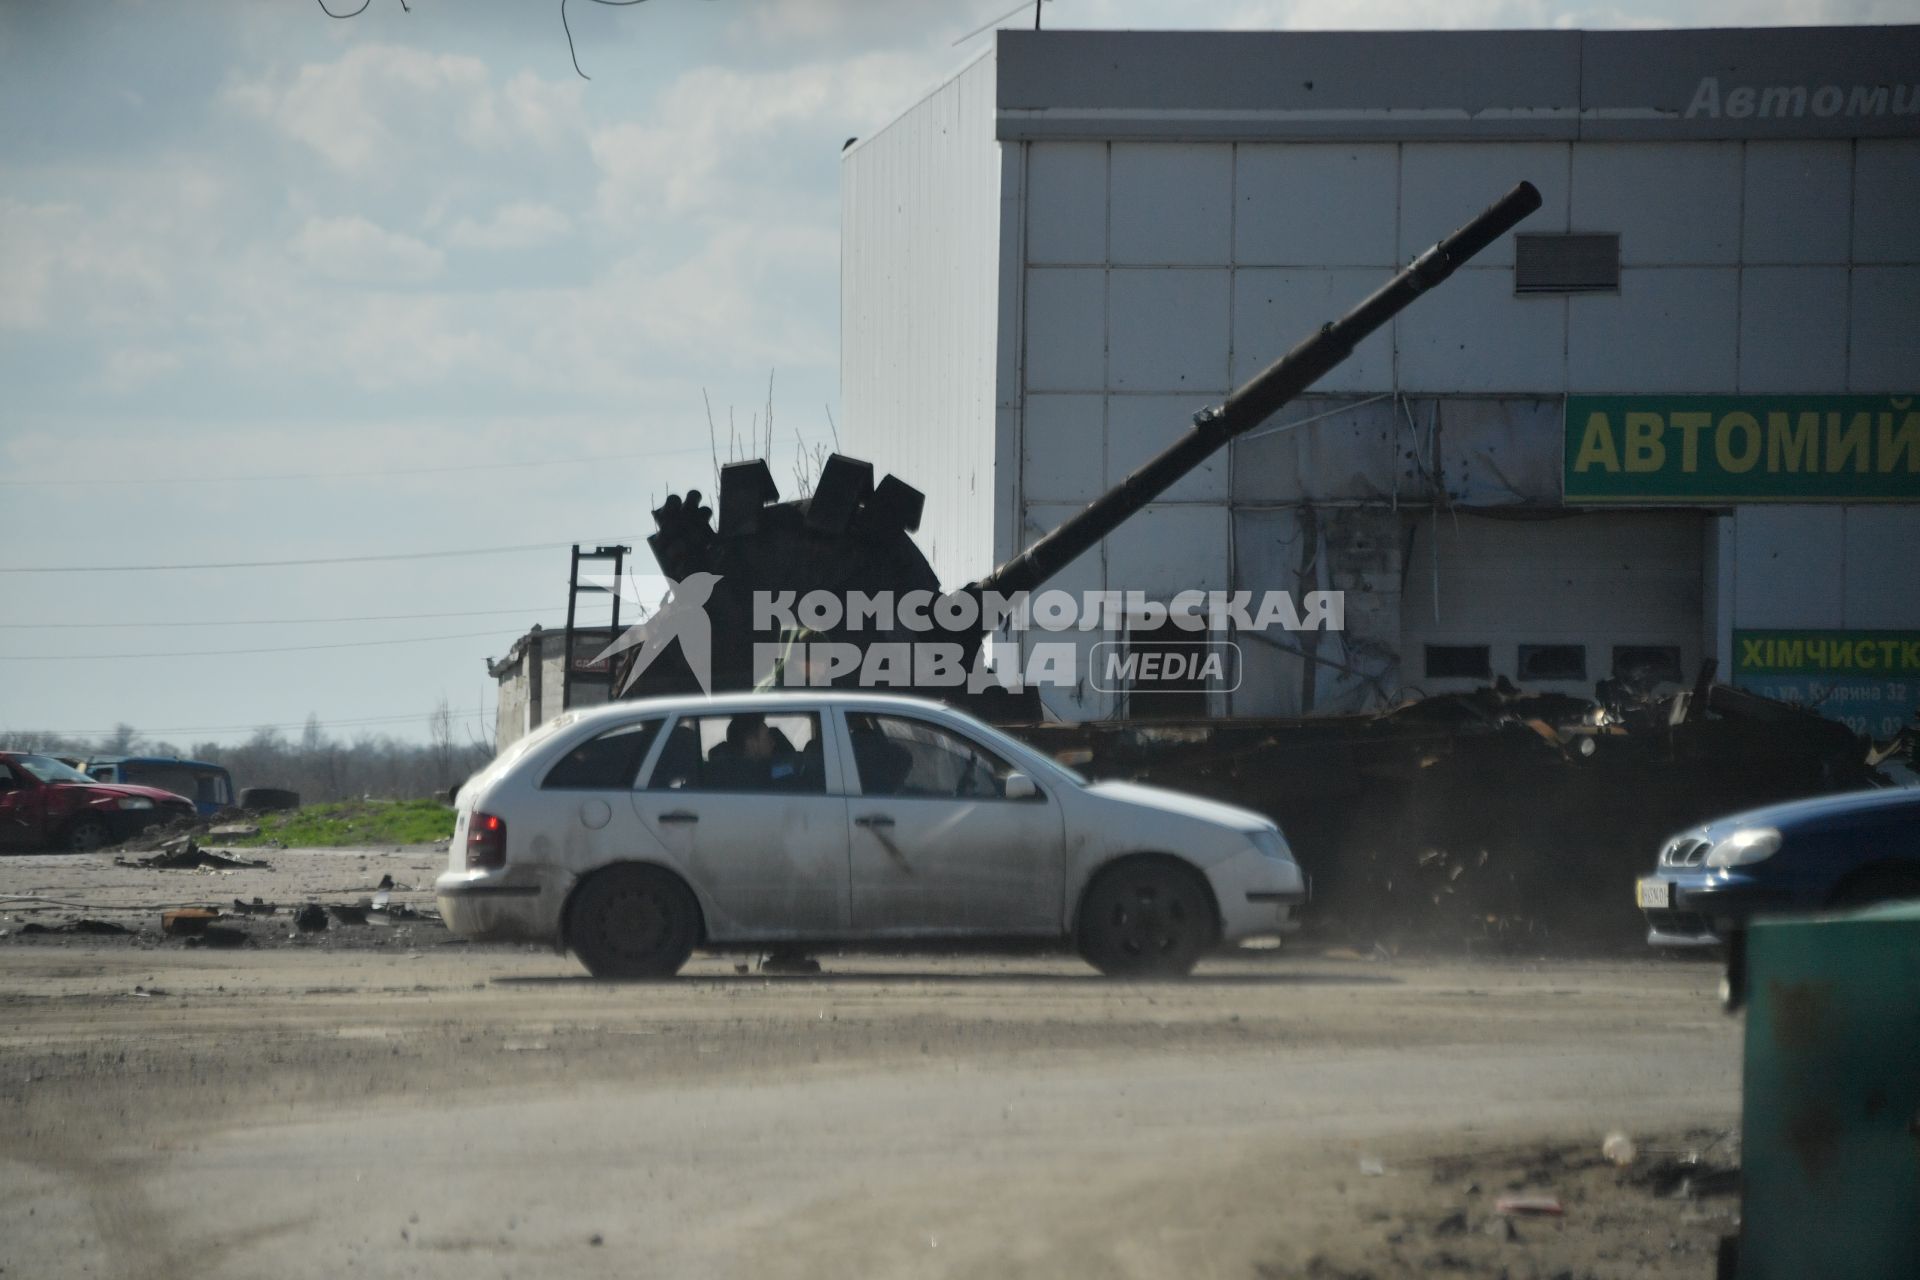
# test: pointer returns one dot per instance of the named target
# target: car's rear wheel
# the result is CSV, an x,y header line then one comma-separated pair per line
x,y
87,833
633,922
1147,918
1878,884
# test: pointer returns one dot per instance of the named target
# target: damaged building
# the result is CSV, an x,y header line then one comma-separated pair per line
x,y
1671,420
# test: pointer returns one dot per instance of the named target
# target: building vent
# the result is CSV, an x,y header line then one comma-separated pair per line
x,y
1458,661
1581,263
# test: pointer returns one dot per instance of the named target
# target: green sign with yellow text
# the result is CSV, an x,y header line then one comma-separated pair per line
x,y
1867,680
1723,449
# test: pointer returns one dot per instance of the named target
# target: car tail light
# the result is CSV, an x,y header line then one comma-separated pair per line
x,y
486,843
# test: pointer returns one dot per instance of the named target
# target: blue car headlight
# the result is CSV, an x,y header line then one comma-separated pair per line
x,y
1749,844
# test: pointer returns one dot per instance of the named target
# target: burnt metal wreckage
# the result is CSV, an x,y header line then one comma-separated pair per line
x,y
1496,817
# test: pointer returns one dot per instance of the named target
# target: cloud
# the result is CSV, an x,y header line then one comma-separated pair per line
x,y
520,225
131,367
62,260
354,250
379,108
723,139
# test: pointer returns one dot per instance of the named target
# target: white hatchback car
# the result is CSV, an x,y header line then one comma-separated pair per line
x,y
632,833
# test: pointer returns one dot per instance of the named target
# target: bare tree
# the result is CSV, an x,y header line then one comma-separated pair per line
x,y
440,734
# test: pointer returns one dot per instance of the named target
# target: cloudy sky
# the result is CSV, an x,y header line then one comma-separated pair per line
x,y
276,287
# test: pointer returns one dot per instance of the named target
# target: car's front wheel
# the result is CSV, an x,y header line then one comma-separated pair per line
x,y
1147,918
633,922
87,833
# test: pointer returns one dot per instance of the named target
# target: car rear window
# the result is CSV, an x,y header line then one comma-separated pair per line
x,y
607,762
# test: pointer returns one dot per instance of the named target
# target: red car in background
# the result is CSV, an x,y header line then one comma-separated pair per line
x,y
48,805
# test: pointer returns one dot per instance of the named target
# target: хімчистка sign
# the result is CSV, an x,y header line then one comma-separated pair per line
x,y
1868,680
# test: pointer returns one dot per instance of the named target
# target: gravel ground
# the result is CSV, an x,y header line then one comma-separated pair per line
x,y
389,1101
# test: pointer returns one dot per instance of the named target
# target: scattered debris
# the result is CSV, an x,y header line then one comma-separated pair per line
x,y
254,908
1529,1206
1371,1167
220,937
789,962
1500,819
1619,1148
233,831
346,914
186,854
187,922
101,928
311,918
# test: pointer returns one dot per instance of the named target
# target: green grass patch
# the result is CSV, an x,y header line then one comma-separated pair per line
x,y
357,822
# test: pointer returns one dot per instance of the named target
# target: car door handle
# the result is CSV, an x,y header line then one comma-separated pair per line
x,y
679,815
873,820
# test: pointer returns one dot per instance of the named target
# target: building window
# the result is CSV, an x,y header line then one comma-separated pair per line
x,y
1458,662
1163,673
1579,263
1647,664
1553,662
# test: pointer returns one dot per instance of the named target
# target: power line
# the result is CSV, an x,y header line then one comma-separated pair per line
x,y
286,564
266,622
355,475
220,653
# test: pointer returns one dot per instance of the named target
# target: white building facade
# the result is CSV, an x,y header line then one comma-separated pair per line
x,y
1673,419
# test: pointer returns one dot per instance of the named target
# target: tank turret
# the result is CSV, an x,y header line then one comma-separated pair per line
x,y
853,535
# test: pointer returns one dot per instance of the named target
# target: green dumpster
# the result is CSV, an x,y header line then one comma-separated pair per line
x,y
1830,1116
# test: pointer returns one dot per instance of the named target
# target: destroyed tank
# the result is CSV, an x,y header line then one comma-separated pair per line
x,y
851,534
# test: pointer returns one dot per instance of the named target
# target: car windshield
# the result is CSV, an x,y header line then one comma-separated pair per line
x,y
1019,750
47,769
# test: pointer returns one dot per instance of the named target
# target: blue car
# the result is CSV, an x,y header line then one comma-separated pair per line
x,y
1809,855
209,786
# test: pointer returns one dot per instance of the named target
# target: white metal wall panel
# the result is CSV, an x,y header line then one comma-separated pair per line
x,y
1172,205
1598,580
919,311
1168,329
1797,205
1064,441
1067,203
1883,351
1827,567
1677,203
1473,334
1274,309
1668,329
1444,184
1882,576
1309,205
1087,573
1138,427
1886,193
1353,452
1169,548
1066,326
1793,329
1787,562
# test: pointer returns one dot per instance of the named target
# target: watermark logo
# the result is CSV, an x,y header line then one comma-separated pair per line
x,y
836,639
682,616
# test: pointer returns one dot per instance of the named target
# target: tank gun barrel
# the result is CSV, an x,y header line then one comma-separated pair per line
x,y
1260,398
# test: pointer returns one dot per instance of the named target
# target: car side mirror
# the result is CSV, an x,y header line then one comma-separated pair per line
x,y
1019,786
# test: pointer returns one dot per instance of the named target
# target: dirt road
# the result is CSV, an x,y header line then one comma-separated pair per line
x,y
426,1108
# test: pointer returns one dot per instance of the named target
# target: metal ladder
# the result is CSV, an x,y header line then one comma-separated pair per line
x,y
580,668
